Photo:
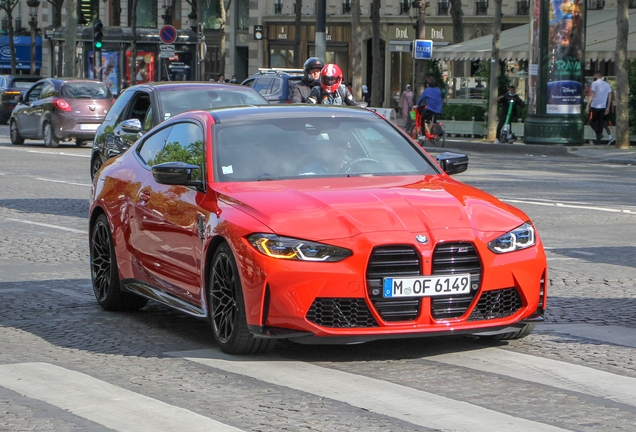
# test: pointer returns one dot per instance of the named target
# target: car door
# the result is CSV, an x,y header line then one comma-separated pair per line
x,y
25,114
168,220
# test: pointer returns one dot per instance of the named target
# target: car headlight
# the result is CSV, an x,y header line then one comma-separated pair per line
x,y
296,249
519,238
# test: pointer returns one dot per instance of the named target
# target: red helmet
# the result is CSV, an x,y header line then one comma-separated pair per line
x,y
330,77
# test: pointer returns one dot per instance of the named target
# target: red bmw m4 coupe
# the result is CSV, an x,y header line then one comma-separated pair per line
x,y
317,224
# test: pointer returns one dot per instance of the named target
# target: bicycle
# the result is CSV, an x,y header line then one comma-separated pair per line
x,y
433,130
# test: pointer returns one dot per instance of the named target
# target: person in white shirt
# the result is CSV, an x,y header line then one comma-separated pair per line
x,y
599,102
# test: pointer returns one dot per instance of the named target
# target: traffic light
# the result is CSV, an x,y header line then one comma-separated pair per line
x,y
98,35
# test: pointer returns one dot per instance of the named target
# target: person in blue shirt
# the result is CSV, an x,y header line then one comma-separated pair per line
x,y
430,101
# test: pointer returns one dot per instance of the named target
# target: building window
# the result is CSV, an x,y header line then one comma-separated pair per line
x,y
523,8
442,8
346,7
209,14
405,7
278,7
243,11
481,8
632,4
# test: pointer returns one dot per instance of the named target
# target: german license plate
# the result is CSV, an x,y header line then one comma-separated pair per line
x,y
426,286
89,126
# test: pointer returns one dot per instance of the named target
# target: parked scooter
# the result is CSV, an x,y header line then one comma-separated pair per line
x,y
506,135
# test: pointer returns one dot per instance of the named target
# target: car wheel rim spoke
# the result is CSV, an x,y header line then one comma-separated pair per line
x,y
101,260
223,302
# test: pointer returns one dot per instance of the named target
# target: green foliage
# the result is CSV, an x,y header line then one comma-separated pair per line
x,y
433,68
175,152
464,112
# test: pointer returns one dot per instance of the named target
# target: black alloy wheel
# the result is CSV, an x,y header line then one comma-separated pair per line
x,y
16,138
226,308
104,273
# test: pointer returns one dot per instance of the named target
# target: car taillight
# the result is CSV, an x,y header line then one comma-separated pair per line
x,y
61,104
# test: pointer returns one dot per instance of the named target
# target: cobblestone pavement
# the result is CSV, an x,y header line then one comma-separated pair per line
x,y
48,314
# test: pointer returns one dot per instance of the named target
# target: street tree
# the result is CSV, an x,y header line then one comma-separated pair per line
x,y
222,24
297,27
133,43
56,7
69,67
494,73
457,17
356,50
377,76
622,75
8,6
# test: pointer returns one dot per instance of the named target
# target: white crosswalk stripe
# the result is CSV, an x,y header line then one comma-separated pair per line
x,y
552,373
381,397
103,403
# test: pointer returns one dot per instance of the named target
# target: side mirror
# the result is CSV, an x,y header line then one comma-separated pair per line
x,y
452,163
176,173
132,125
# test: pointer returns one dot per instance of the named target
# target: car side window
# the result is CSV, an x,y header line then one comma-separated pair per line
x,y
152,145
184,144
48,90
275,85
263,85
34,93
250,83
118,107
140,107
147,123
3,81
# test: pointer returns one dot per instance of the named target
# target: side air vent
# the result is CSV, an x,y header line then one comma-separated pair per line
x,y
496,304
341,313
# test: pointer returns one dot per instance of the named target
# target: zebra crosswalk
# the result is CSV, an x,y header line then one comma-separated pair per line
x,y
120,409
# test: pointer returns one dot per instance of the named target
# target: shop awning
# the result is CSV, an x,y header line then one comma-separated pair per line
x,y
600,41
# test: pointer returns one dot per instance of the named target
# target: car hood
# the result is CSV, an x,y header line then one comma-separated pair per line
x,y
330,208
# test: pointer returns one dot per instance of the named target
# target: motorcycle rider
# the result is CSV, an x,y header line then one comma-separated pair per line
x,y
311,78
331,91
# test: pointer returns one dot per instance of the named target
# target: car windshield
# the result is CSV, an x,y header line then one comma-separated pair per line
x,y
22,85
300,148
179,100
85,90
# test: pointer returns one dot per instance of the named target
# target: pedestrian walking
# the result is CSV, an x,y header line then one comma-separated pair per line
x,y
366,94
405,105
598,105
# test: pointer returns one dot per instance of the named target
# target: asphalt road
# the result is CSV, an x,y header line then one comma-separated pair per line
x,y
67,365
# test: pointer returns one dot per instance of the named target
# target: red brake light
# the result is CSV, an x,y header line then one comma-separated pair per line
x,y
61,104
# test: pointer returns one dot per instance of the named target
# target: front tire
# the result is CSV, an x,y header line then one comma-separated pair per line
x,y
104,272
50,140
16,138
96,164
226,308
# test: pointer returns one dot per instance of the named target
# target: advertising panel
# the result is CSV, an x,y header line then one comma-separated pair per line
x,y
110,69
144,69
565,57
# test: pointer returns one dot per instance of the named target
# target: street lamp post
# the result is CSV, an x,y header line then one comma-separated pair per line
x,y
421,34
167,12
33,22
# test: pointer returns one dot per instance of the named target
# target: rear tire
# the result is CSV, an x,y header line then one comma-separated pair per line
x,y
16,138
82,143
104,272
226,308
50,140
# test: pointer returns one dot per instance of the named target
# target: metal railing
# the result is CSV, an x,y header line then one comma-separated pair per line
x,y
442,8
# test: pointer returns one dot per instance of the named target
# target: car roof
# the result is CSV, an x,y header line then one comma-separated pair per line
x,y
175,85
275,111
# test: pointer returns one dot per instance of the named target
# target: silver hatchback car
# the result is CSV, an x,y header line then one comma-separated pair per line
x,y
60,109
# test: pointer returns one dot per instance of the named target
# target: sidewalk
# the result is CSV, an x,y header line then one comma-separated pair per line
x,y
600,153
